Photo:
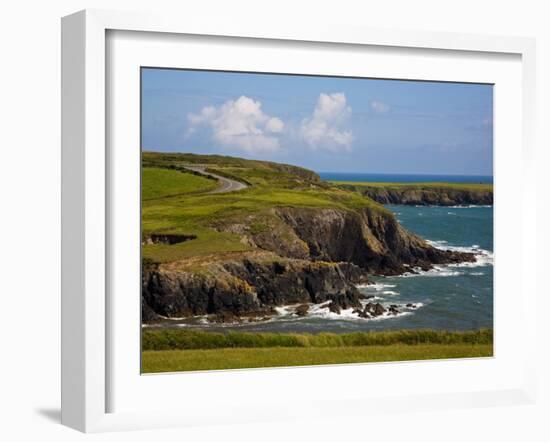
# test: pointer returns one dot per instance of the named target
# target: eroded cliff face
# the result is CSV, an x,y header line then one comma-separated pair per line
x,y
245,284
429,197
300,255
371,239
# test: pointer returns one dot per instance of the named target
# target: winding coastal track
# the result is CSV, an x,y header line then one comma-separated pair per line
x,y
226,184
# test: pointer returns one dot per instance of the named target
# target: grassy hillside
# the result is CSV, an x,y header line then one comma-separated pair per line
x,y
259,172
176,201
162,183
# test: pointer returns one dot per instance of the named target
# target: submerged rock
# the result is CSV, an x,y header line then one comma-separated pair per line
x,y
374,310
334,308
393,310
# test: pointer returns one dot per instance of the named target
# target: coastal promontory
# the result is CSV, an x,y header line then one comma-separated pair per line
x,y
282,237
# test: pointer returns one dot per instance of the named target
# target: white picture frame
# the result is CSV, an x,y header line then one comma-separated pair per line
x,y
86,352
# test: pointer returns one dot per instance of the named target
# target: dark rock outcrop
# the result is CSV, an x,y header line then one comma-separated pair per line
x,y
169,239
334,307
248,285
393,310
429,196
371,239
372,310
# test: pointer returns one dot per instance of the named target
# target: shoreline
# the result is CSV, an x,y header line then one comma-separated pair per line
x,y
322,310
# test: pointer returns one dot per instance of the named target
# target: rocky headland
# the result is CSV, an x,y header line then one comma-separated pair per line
x,y
301,256
286,239
427,195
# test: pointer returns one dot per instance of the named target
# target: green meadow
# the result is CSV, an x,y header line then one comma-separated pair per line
x,y
234,358
160,183
177,201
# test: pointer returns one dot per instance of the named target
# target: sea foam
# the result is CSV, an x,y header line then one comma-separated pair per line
x,y
483,257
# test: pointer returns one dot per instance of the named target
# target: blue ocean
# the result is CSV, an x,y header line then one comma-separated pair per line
x,y
448,297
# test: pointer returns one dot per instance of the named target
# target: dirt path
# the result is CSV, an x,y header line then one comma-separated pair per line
x,y
226,184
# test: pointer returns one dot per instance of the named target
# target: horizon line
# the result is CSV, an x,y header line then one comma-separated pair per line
x,y
408,173
148,150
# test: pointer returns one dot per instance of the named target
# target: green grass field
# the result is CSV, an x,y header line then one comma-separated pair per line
x,y
162,183
189,350
232,358
177,202
178,339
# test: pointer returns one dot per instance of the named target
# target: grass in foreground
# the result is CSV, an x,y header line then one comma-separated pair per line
x,y
232,358
176,339
168,350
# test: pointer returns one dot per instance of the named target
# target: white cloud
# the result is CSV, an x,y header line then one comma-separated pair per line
x,y
325,128
274,125
240,124
379,107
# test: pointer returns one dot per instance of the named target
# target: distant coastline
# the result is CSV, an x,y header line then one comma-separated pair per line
x,y
405,178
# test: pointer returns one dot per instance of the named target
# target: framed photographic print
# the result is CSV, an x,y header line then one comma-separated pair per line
x,y
279,217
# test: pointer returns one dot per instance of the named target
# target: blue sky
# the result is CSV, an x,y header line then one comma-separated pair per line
x,y
326,124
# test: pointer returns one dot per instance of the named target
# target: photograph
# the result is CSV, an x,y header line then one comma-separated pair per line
x,y
304,220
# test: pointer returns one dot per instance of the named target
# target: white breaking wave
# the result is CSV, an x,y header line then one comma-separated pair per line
x,y
437,243
470,206
285,310
378,286
483,257
388,315
443,271
436,271
321,311
390,292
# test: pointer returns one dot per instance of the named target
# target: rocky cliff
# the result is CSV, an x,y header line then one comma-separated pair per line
x,y
301,255
245,284
429,196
